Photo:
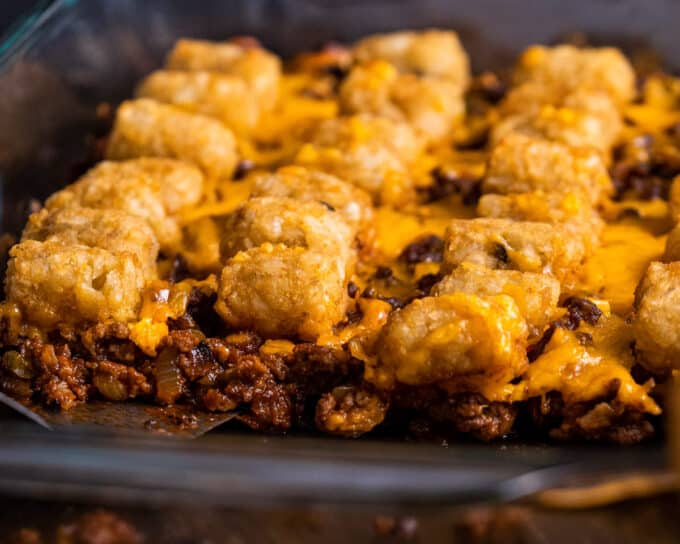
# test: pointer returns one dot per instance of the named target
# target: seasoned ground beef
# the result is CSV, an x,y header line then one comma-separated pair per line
x,y
313,387
446,183
429,248
472,413
350,411
604,420
248,381
467,413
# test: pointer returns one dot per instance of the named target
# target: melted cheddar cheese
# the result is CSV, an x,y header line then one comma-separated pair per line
x,y
614,270
583,372
580,372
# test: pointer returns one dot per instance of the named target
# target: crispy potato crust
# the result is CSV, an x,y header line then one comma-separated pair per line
x,y
55,284
571,210
521,164
568,126
227,98
531,96
430,105
282,220
144,127
112,230
308,185
657,317
150,188
280,291
430,52
370,152
453,336
512,245
536,295
259,68
566,66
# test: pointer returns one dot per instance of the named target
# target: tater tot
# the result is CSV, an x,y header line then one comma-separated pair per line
x,y
223,97
566,66
279,291
455,337
370,152
144,127
281,220
568,209
431,106
259,68
428,52
54,284
521,164
530,97
511,245
112,230
564,125
150,188
307,185
538,206
657,317
536,295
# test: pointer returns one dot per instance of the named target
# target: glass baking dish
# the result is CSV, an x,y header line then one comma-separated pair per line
x,y
68,56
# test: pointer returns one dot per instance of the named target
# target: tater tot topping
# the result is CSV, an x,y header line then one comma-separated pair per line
x,y
368,237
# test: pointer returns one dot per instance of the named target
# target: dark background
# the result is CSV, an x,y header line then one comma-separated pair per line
x,y
10,10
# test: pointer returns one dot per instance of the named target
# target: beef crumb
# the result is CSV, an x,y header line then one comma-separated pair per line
x,y
448,183
534,351
500,253
349,411
644,169
354,316
579,309
466,413
252,386
426,249
372,292
179,270
383,273
602,419
426,283
584,338
243,168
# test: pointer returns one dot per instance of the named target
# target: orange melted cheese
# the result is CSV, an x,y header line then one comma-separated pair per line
x,y
580,372
614,270
584,372
397,228
161,302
